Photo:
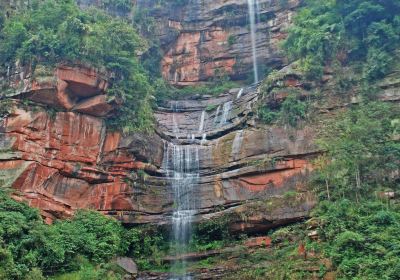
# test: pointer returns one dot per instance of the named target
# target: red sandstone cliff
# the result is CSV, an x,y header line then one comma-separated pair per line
x,y
67,159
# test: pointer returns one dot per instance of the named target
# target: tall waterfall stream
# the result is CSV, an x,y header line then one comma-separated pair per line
x,y
254,13
181,163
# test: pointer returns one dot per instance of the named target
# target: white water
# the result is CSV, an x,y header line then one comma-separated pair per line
x,y
240,93
217,115
254,12
181,163
203,115
226,110
203,139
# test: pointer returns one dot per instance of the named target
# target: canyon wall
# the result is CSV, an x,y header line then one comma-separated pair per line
x,y
204,38
57,152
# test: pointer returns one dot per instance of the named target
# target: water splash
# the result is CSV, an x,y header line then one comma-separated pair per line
x,y
203,139
217,115
254,12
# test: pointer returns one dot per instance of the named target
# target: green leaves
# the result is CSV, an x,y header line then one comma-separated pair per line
x,y
364,30
27,243
361,239
360,150
50,32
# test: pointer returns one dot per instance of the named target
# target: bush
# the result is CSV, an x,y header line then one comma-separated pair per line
x,y
293,110
362,154
360,244
147,245
29,247
266,115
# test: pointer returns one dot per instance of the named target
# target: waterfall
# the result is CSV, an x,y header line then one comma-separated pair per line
x,y
181,163
217,115
221,117
203,138
254,12
226,109
203,115
240,93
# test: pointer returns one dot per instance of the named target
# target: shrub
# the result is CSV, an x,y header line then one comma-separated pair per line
x,y
29,247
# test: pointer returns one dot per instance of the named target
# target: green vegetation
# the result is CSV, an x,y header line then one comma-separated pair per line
x,y
29,246
290,111
340,31
50,32
362,153
361,238
231,40
147,246
124,6
357,223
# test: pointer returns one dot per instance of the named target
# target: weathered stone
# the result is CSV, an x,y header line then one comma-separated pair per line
x,y
95,106
127,264
208,38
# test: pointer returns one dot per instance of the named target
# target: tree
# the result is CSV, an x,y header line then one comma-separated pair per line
x,y
361,152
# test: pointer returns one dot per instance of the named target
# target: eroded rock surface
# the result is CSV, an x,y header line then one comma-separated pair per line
x,y
203,38
67,159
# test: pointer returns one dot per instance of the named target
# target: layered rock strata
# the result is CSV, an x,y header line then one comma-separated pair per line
x,y
201,39
67,159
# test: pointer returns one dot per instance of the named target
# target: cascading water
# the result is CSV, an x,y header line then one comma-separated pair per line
x,y
182,168
226,110
254,12
221,117
217,115
181,164
203,115
239,93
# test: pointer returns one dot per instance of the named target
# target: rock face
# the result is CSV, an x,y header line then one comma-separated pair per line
x,y
66,160
59,156
201,39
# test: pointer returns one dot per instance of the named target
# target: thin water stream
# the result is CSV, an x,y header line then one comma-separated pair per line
x,y
254,13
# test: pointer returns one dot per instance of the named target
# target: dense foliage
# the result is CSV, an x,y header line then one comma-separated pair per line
x,y
361,239
328,32
363,152
27,244
50,32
